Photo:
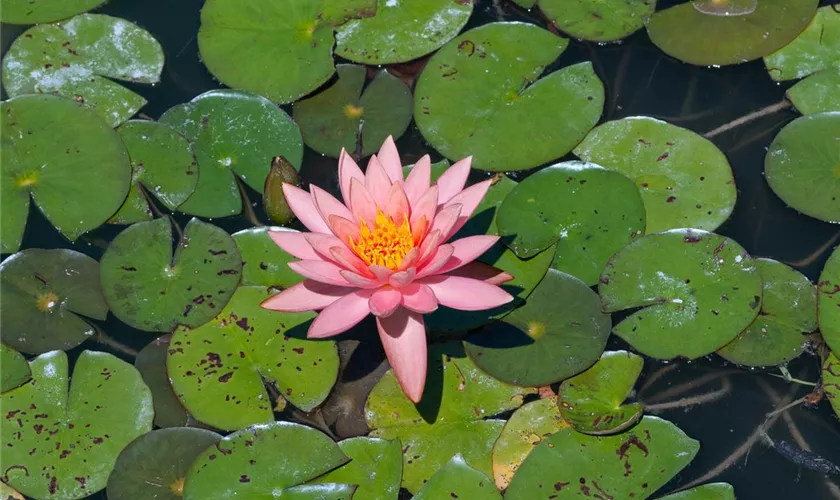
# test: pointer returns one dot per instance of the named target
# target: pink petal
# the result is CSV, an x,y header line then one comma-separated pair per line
x,y
349,260
452,181
382,273
438,260
360,281
328,205
466,294
305,296
428,247
402,278
390,159
469,200
347,171
397,206
419,298
344,229
341,315
467,250
480,271
445,220
377,181
319,270
304,208
419,179
322,244
362,204
404,339
410,259
294,243
426,206
384,301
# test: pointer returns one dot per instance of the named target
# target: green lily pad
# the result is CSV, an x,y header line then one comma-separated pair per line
x,y
437,169
232,133
525,429
590,213
267,461
480,95
452,417
599,20
34,144
151,363
788,312
817,93
635,463
710,491
456,479
684,179
375,465
162,162
15,370
187,289
801,165
79,57
63,446
592,402
344,115
218,370
44,11
155,464
814,49
46,296
696,292
828,301
423,28
730,33
831,381
263,262
9,493
558,332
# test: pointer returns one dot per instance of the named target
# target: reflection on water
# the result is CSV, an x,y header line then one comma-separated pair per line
x,y
725,7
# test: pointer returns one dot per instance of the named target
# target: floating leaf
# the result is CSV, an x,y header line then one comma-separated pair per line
x,y
375,465
45,11
456,479
151,363
9,493
592,402
696,291
801,165
155,464
558,332
831,381
46,296
710,491
187,289
237,133
336,117
731,34
590,213
817,93
263,262
57,165
423,28
15,370
218,370
604,21
479,95
788,312
814,49
451,418
108,405
274,200
79,57
828,301
267,461
632,464
684,179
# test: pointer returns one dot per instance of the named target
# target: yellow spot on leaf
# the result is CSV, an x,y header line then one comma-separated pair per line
x,y
353,112
46,302
177,487
535,330
27,180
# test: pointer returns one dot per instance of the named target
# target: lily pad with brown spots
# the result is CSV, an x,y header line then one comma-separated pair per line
x,y
375,465
263,262
456,479
828,301
151,363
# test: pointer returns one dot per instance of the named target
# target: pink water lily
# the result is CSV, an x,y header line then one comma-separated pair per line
x,y
385,251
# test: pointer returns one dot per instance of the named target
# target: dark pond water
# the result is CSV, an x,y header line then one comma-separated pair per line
x,y
639,80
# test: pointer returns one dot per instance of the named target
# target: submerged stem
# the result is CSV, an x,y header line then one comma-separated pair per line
x,y
769,110
246,204
101,338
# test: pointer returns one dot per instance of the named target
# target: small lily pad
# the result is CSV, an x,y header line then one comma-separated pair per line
x,y
79,57
45,11
218,370
635,463
187,289
232,133
710,491
685,180
788,312
108,405
263,262
344,115
817,93
151,363
155,464
423,28
46,296
801,165
831,381
57,165
15,370
828,301
731,34
456,479
814,49
558,332
267,461
599,20
375,465
695,291
593,401
482,95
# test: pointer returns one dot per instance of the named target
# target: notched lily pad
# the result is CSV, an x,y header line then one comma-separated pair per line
x,y
44,11
151,363
598,20
375,466
456,479
815,49
263,262
828,301
15,369
817,93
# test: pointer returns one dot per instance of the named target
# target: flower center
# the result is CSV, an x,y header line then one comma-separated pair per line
x,y
386,244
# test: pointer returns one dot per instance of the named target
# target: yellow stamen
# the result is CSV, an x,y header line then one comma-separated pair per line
x,y
386,244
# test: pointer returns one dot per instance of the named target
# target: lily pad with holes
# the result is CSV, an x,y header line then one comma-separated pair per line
x,y
593,401
733,31
263,262
558,332
232,134
481,95
634,463
456,479
155,464
685,180
375,466
831,381
815,49
162,163
828,301
802,165
107,406
817,93
788,313
423,28
80,58
268,461
525,429
151,363
219,369
695,291
47,294
451,418
709,491
57,166
346,116
43,11
189,288
590,212
15,370
598,20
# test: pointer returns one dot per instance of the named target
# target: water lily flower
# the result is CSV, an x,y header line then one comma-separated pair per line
x,y
386,251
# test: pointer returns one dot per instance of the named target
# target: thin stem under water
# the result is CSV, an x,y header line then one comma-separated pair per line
x,y
769,110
